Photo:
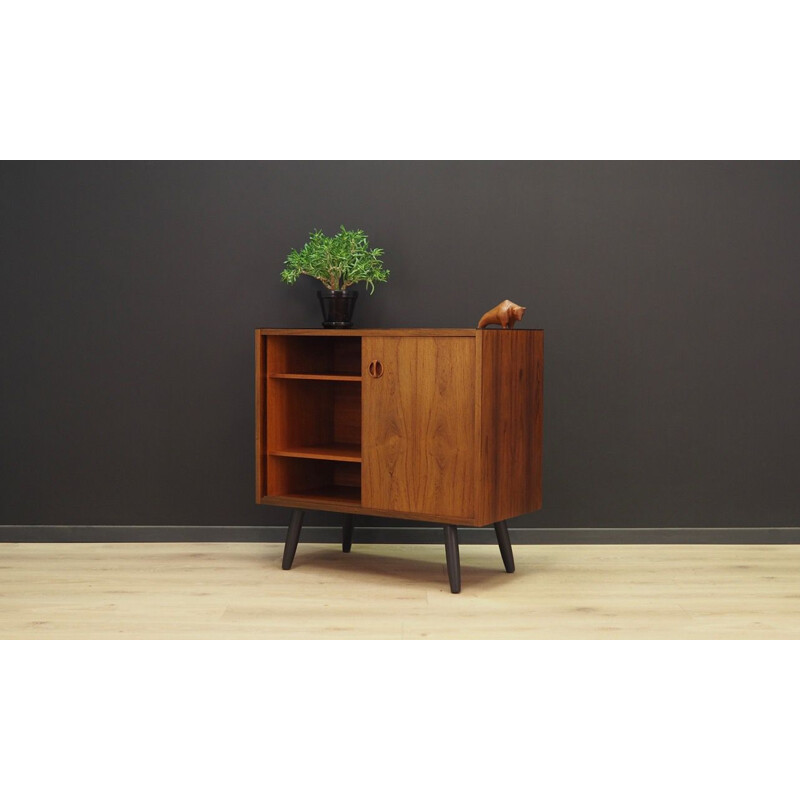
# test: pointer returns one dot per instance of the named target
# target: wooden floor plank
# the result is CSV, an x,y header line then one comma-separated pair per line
x,y
238,590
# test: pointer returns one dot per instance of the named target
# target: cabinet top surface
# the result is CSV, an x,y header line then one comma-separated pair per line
x,y
389,331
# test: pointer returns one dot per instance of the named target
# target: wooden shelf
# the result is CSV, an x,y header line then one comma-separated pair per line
x,y
326,452
301,376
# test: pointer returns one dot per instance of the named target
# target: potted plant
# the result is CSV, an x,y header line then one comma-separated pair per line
x,y
339,262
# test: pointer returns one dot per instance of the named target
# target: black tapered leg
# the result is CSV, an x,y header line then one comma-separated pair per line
x,y
451,551
292,537
501,529
347,533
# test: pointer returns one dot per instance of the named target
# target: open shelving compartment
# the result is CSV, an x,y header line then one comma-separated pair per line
x,y
313,418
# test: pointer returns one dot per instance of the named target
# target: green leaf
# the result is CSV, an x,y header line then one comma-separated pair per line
x,y
337,261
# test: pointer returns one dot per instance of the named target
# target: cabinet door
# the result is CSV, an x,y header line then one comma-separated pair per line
x,y
418,429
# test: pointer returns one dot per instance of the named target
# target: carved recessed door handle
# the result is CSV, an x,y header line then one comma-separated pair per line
x,y
375,369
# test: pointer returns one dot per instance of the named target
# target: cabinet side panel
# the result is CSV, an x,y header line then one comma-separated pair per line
x,y
261,428
511,423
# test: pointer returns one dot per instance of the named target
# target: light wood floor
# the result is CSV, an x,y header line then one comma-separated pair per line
x,y
238,590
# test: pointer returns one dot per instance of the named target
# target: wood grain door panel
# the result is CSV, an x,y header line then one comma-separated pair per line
x,y
418,427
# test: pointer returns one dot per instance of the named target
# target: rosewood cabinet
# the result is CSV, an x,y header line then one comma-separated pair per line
x,y
439,425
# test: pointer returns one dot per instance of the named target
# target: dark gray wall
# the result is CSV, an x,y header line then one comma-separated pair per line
x,y
669,293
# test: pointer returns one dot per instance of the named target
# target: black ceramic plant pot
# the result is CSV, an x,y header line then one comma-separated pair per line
x,y
337,308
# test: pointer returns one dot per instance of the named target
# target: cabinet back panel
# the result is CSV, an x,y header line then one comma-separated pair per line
x,y
300,413
345,474
347,355
347,412
322,355
296,475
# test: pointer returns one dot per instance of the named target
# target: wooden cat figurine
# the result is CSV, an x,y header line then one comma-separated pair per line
x,y
504,314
